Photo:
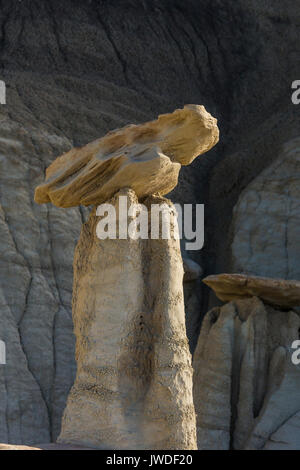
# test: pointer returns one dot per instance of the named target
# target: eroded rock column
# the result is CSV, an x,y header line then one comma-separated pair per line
x,y
133,387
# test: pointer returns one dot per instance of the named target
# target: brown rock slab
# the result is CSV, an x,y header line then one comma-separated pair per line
x,y
279,292
146,158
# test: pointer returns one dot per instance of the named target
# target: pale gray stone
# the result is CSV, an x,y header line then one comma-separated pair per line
x,y
245,384
287,437
266,223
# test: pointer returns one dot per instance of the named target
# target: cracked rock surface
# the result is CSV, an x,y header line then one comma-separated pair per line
x,y
36,290
246,387
76,70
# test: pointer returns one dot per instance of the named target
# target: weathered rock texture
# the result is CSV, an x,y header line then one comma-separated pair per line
x,y
266,223
35,291
277,292
287,437
75,70
146,158
246,388
133,387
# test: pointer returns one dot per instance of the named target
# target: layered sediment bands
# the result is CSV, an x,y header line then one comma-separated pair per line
x,y
146,158
246,386
133,387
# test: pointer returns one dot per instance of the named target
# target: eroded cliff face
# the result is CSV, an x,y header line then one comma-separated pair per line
x,y
75,70
36,291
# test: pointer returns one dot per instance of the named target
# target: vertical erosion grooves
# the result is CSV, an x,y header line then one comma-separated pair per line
x,y
134,377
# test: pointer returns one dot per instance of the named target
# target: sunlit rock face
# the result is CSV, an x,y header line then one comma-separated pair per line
x,y
133,388
146,158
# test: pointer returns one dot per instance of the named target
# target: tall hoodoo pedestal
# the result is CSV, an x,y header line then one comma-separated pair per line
x,y
133,387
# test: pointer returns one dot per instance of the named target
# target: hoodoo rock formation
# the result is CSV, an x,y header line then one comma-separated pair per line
x,y
75,70
146,158
133,387
246,385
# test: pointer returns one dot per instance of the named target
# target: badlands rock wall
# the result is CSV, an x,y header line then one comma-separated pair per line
x,y
36,291
266,222
75,70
